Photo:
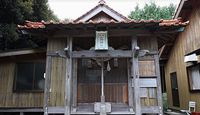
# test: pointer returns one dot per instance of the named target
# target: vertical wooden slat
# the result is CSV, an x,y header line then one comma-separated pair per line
x,y
68,78
159,92
47,84
135,74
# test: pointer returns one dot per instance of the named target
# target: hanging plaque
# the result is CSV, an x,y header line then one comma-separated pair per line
x,y
101,41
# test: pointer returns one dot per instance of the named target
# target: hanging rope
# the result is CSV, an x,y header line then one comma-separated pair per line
x,y
108,66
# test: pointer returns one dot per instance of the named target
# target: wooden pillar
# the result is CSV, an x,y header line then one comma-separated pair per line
x,y
135,75
74,92
130,89
47,84
159,92
68,78
21,113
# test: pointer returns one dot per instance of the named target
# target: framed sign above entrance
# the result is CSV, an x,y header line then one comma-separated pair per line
x,y
101,41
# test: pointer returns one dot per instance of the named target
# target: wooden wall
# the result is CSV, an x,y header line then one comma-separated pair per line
x,y
114,92
147,70
148,43
57,85
7,70
58,72
187,41
10,99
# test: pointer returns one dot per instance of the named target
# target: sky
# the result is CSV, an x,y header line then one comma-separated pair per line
x,y
72,9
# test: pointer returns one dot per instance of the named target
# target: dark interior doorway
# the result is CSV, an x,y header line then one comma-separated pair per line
x,y
174,86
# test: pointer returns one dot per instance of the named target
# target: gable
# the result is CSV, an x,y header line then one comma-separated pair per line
x,y
101,12
101,17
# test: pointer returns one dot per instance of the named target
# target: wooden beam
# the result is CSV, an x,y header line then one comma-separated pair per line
x,y
12,110
91,33
56,110
197,51
98,54
101,54
164,51
68,78
60,33
135,74
161,50
150,110
179,29
21,52
47,84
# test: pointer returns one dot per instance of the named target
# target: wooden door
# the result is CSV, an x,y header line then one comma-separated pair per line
x,y
175,93
89,81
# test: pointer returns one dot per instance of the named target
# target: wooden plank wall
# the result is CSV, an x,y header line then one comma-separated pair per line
x,y
148,43
147,70
186,42
10,99
57,85
149,95
114,92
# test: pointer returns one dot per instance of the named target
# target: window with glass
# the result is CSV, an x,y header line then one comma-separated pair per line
x,y
29,76
194,77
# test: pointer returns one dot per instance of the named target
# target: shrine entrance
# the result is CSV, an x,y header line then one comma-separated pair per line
x,y
100,79
115,81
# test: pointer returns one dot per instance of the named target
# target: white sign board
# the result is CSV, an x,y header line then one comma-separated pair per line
x,y
101,41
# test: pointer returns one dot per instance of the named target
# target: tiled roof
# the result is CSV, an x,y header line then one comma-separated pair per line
x,y
35,25
173,22
29,24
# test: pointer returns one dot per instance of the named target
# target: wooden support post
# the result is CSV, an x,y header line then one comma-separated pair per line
x,y
68,78
130,89
135,74
47,84
159,92
74,92
21,113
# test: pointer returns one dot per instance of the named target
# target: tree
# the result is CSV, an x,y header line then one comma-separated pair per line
x,y
152,11
14,12
41,11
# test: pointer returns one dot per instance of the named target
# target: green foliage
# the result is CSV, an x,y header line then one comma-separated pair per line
x,y
26,9
14,12
17,11
9,11
164,99
41,11
152,11
8,31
